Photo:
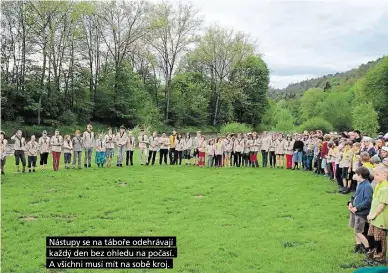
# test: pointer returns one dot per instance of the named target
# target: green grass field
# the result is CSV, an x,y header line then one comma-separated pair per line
x,y
225,220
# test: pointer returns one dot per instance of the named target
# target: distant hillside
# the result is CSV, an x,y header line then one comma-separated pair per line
x,y
339,80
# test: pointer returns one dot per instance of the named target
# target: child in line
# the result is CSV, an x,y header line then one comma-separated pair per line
x,y
121,140
32,148
130,147
378,216
153,148
109,147
218,152
346,158
67,150
288,145
201,152
210,149
56,143
77,148
228,145
44,150
188,142
143,141
179,147
164,143
100,151
3,151
88,143
20,147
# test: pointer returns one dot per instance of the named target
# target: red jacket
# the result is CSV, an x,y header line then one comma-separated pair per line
x,y
324,150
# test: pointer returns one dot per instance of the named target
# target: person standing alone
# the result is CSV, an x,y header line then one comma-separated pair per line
x,y
89,144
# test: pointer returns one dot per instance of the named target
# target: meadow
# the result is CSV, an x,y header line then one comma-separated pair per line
x,y
225,220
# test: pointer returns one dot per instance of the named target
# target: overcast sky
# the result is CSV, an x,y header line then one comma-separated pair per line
x,y
305,39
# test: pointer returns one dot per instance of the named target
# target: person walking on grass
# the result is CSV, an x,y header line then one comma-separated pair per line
x,y
3,151
89,143
20,147
44,150
359,208
188,143
56,143
100,151
67,150
378,217
130,148
77,143
163,152
143,141
121,140
153,148
109,147
32,148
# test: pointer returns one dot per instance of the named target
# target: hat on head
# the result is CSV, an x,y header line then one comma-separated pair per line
x,y
366,138
385,149
376,159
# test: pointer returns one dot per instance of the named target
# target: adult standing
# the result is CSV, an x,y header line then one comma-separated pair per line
x,y
44,149
20,147
130,148
164,144
195,146
77,148
56,143
279,151
89,143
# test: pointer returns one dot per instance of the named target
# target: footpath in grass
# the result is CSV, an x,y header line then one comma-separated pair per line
x,y
225,220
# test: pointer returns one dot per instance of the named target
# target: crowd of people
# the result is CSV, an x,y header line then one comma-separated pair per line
x,y
357,163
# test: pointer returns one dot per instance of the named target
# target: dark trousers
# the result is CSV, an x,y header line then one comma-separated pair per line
x,y
272,159
151,154
43,159
319,165
129,158
31,161
237,158
245,159
179,157
19,156
264,155
172,155
308,160
218,160
338,176
163,153
67,157
232,163
331,171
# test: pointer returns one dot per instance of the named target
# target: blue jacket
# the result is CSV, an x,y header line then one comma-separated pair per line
x,y
363,198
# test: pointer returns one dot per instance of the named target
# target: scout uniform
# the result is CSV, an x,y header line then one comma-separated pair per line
x,y
20,146
77,150
56,143
88,143
143,141
121,140
44,150
32,148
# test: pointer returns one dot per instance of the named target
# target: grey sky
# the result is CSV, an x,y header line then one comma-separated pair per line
x,y
305,39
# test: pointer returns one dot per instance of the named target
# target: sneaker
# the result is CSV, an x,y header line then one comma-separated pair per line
x,y
357,248
85,165
90,165
33,170
29,171
2,172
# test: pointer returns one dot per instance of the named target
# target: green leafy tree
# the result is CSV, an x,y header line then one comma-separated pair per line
x,y
365,119
311,102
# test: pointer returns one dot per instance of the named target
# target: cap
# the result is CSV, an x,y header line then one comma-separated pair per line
x,y
366,138
385,149
376,159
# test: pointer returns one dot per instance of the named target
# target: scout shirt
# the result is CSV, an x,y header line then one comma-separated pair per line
x,y
380,195
210,150
164,143
272,145
67,146
88,139
130,145
265,143
279,146
196,142
228,145
218,148
77,143
179,144
188,143
121,139
3,149
109,141
154,143
255,145
100,145
44,144
238,146
288,147
143,141
247,146
20,143
56,143
32,148
202,146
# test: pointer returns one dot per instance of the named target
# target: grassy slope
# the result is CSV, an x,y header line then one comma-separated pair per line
x,y
246,220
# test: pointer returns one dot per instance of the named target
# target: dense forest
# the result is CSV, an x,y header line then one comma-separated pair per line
x,y
354,99
126,62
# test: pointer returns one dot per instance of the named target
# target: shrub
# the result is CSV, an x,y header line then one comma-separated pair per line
x,y
316,124
67,118
235,127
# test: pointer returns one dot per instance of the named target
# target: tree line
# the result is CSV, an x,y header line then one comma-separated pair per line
x,y
126,62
